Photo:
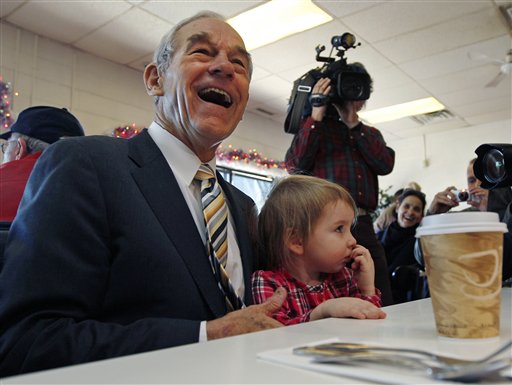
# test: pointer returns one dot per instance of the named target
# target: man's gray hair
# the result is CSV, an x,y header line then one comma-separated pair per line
x,y
167,47
33,144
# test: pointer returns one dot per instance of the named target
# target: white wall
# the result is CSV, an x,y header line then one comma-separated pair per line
x,y
262,134
104,95
101,94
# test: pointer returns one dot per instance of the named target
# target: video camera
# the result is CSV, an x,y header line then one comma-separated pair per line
x,y
493,166
348,82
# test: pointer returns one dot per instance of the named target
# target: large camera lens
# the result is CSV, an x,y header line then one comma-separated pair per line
x,y
351,87
494,166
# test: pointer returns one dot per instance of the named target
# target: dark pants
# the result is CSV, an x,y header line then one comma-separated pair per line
x,y
365,236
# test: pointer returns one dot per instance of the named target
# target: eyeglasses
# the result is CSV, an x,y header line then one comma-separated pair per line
x,y
5,145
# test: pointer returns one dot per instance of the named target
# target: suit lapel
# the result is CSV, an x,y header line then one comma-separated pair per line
x,y
160,188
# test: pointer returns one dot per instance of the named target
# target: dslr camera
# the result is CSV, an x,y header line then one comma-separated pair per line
x,y
348,82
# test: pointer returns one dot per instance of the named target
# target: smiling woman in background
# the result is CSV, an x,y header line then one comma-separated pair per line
x,y
398,238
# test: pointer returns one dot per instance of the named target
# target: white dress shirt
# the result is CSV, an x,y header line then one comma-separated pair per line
x,y
184,165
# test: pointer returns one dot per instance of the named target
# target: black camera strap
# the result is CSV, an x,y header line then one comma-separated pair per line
x,y
302,88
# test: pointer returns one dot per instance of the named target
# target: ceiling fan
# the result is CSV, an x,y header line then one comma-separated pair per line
x,y
505,66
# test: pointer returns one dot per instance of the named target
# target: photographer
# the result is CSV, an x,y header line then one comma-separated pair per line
x,y
496,200
479,199
332,143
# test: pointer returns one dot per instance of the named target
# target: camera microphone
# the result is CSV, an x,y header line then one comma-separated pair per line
x,y
347,40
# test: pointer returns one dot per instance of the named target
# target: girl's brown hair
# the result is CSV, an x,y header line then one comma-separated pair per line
x,y
293,206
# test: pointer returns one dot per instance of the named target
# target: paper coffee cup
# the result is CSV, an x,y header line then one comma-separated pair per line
x,y
463,254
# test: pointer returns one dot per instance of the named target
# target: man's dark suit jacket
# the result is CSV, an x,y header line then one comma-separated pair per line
x,y
104,258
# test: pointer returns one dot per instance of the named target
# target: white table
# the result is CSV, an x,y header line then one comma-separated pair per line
x,y
234,360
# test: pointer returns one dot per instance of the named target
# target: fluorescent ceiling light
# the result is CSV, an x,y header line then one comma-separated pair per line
x,y
277,19
398,111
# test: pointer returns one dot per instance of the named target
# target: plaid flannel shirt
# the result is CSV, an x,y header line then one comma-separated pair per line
x,y
352,158
302,298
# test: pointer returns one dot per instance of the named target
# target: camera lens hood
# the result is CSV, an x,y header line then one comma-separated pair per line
x,y
493,166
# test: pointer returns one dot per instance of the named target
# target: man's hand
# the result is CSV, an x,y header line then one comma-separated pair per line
x,y
443,201
251,319
478,198
322,87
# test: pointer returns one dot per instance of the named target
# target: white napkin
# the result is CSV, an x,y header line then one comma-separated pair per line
x,y
384,375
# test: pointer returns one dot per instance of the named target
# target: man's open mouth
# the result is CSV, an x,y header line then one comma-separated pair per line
x,y
216,96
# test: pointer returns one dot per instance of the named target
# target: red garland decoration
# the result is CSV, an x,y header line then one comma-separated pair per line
x,y
125,132
228,155
238,155
6,119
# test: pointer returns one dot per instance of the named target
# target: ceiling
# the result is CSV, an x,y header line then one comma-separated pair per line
x,y
412,49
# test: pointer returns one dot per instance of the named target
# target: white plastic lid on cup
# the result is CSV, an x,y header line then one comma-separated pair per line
x,y
461,222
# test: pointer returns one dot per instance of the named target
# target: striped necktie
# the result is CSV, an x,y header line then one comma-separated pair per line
x,y
215,214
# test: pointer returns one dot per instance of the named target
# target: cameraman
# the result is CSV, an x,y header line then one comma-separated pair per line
x,y
332,143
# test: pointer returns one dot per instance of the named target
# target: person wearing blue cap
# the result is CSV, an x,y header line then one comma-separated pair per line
x,y
35,129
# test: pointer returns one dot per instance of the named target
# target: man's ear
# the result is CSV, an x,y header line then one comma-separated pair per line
x,y
294,242
21,150
152,80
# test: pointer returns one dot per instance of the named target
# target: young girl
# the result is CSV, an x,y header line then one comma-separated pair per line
x,y
304,230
